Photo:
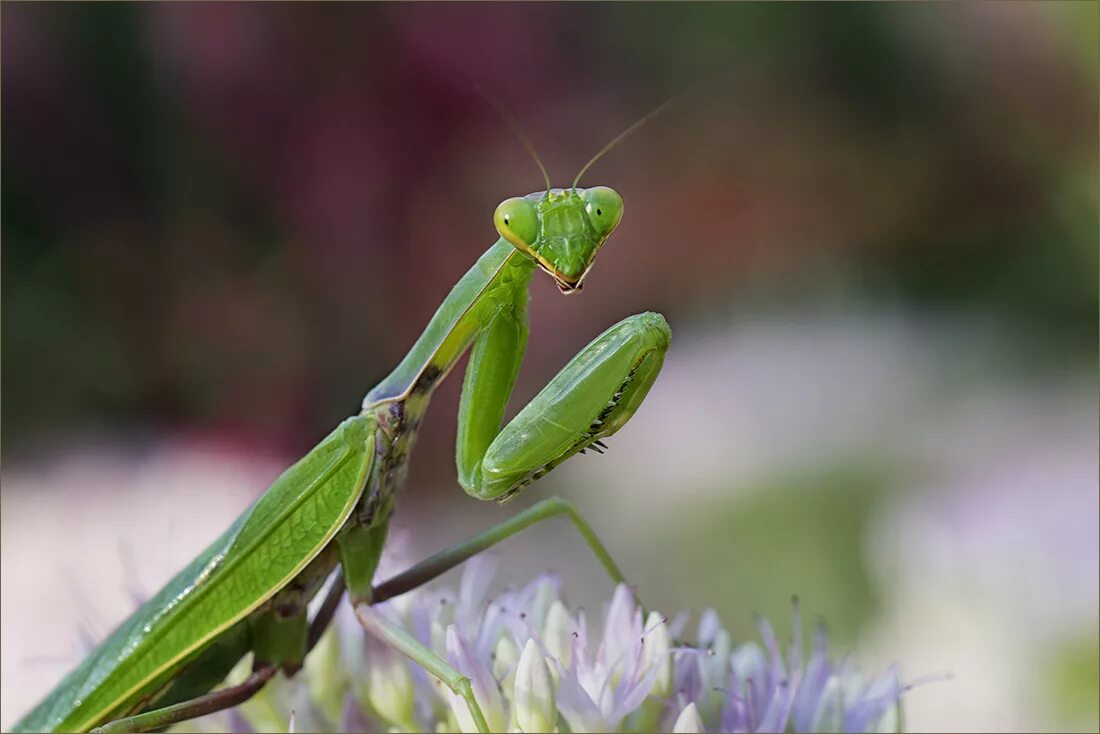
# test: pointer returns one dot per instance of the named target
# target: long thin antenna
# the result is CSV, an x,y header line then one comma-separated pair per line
x,y
504,113
619,138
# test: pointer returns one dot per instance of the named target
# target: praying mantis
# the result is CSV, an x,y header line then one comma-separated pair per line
x,y
328,514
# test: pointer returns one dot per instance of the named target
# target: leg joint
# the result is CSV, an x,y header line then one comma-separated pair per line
x,y
463,687
558,505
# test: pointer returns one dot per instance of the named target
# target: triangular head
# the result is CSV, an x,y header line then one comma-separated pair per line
x,y
561,229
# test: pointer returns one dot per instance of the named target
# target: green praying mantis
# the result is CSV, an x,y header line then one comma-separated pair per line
x,y
249,591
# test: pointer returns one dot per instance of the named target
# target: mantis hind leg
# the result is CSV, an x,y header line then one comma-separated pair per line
x,y
235,695
185,710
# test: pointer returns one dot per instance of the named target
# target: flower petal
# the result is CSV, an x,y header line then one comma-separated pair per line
x,y
486,690
688,722
534,698
575,705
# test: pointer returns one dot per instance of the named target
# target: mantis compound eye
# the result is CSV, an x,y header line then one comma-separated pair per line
x,y
518,222
604,207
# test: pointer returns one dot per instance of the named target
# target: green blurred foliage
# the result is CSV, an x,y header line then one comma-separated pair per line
x,y
1072,682
813,527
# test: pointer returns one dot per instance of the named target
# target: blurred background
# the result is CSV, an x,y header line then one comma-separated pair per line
x,y
873,230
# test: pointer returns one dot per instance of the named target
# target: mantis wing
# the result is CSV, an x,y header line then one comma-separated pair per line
x,y
260,553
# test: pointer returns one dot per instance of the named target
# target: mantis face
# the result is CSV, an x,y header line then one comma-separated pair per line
x,y
561,229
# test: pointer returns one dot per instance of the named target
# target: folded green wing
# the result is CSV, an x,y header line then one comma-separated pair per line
x,y
263,550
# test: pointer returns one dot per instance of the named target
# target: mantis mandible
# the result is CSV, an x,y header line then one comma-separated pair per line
x,y
329,512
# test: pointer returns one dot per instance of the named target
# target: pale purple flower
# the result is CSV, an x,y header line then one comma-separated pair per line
x,y
487,691
763,690
532,661
599,688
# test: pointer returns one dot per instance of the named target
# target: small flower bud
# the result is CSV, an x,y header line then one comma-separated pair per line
x,y
442,618
688,722
534,698
390,689
505,655
715,672
716,665
546,593
829,715
326,678
657,651
558,633
620,631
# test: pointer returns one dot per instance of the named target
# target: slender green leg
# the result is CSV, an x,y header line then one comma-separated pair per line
x,y
216,701
490,376
394,635
445,560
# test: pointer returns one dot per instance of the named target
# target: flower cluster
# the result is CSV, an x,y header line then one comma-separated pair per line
x,y
536,666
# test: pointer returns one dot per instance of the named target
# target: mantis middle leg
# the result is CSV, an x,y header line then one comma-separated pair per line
x,y
447,559
392,634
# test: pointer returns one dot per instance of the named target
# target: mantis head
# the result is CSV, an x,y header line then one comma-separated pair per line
x,y
561,229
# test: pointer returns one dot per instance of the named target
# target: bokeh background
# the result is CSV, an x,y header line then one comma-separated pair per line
x,y
873,229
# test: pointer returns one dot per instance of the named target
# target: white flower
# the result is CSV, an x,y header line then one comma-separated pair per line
x,y
534,699
688,722
658,653
558,632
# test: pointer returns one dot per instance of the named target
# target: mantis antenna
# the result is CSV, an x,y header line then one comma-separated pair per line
x,y
507,116
619,138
